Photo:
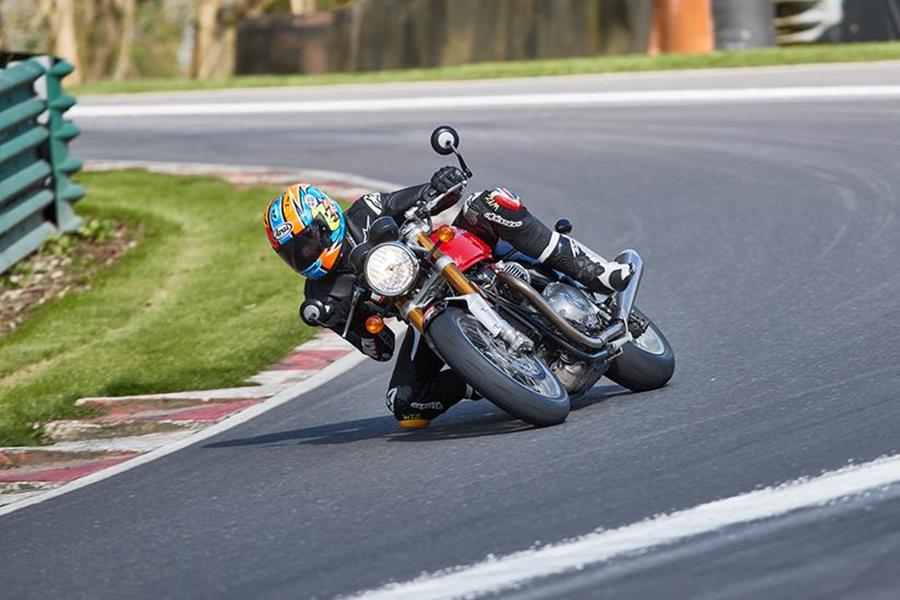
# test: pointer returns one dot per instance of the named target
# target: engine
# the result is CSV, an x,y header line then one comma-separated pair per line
x,y
574,306
578,309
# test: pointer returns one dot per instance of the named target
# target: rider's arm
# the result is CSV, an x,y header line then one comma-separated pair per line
x,y
395,204
372,206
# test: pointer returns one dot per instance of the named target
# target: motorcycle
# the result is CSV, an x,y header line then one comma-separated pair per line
x,y
527,338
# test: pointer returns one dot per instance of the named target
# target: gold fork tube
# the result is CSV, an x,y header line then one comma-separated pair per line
x,y
457,280
449,271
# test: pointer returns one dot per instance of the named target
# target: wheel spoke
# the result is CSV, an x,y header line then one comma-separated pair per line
x,y
525,370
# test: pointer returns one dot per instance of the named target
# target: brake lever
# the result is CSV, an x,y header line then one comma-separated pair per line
x,y
436,200
357,293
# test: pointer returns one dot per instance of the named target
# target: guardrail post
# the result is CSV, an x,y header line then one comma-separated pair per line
x,y
26,197
63,165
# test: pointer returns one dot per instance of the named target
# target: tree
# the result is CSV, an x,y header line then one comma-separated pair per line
x,y
206,32
303,7
60,16
127,9
215,34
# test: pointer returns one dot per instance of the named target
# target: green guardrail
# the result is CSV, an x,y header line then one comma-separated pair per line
x,y
36,192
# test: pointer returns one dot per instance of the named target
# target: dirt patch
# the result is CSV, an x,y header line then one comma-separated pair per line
x,y
62,265
36,457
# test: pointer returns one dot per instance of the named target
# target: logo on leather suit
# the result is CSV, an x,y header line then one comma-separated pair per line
x,y
501,221
427,405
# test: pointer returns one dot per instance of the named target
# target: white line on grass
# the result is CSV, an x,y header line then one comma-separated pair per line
x,y
495,574
774,94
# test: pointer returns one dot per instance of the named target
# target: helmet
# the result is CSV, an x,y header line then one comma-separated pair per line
x,y
306,229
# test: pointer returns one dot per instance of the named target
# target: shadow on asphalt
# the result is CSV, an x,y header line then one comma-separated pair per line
x,y
476,419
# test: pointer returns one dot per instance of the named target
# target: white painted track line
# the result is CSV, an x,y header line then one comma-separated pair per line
x,y
774,94
497,574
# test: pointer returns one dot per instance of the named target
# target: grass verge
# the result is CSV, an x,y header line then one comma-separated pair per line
x,y
793,55
200,302
62,265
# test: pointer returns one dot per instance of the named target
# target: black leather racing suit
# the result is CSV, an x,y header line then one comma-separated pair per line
x,y
420,387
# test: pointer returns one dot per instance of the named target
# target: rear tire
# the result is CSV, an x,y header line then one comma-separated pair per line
x,y
645,363
535,395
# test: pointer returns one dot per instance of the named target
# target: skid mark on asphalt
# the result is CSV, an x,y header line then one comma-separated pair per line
x,y
496,574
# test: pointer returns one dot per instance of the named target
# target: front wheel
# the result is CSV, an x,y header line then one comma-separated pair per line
x,y
520,384
646,363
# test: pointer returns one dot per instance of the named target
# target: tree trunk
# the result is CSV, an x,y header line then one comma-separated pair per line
x,y
205,34
127,9
303,7
214,41
65,41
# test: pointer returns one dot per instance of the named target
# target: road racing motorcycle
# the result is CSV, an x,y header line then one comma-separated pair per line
x,y
527,338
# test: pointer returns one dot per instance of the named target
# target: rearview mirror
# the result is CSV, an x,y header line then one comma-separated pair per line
x,y
444,140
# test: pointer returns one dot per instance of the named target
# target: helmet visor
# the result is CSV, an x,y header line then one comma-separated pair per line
x,y
305,248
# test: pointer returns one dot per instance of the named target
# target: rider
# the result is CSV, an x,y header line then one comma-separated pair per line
x,y
310,232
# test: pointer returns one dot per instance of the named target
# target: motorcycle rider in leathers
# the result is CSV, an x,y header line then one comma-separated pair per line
x,y
312,234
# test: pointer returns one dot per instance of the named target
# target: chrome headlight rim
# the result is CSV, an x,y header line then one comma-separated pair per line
x,y
413,276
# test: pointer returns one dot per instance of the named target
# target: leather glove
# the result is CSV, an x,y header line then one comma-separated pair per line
x,y
445,178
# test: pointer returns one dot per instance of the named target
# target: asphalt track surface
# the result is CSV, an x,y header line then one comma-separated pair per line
x,y
771,243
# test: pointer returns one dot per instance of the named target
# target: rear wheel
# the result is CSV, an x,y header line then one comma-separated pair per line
x,y
520,384
646,363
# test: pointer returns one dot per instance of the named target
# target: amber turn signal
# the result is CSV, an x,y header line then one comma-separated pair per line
x,y
445,233
374,324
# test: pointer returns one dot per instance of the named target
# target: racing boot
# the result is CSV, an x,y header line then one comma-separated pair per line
x,y
418,415
585,266
415,407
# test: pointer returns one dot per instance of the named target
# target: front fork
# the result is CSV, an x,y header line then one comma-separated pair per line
x,y
478,306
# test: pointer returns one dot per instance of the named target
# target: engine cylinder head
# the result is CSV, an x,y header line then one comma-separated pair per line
x,y
517,270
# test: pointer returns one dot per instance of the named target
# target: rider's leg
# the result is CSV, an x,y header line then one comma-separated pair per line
x,y
499,213
419,390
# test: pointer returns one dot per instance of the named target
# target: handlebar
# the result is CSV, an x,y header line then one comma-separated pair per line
x,y
423,210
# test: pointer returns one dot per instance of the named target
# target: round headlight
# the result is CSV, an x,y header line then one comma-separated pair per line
x,y
391,269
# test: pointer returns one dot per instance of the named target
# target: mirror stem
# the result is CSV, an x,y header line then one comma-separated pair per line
x,y
462,164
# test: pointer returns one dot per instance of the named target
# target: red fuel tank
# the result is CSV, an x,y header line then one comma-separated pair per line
x,y
465,249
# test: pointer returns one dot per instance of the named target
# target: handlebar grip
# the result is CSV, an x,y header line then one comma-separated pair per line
x,y
313,312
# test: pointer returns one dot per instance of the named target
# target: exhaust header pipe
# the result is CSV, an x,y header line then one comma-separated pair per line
x,y
535,299
624,304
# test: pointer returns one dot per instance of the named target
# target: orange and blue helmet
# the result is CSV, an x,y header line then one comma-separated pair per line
x,y
306,228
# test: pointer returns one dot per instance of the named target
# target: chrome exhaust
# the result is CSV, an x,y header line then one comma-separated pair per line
x,y
572,334
624,303
625,298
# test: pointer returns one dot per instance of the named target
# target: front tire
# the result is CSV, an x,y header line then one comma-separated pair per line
x,y
523,386
646,363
